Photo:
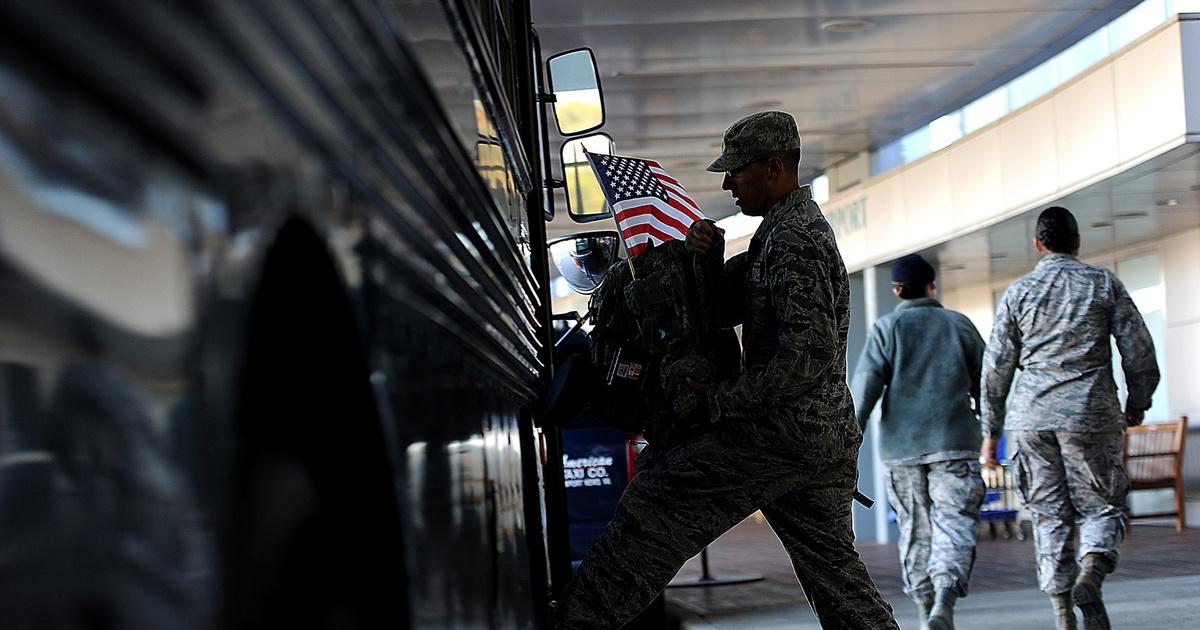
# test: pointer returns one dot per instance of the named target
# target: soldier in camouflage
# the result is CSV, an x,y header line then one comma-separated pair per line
x,y
1064,417
924,361
784,437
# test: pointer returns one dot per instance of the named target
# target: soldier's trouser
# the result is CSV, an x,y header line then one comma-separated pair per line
x,y
937,510
1071,482
670,512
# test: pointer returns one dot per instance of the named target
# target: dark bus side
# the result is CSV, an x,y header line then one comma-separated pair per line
x,y
272,315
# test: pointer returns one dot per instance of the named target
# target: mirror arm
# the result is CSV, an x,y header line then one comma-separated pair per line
x,y
546,97
550,182
578,323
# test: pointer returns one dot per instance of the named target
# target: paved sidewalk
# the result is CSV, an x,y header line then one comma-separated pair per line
x,y
1156,586
1172,603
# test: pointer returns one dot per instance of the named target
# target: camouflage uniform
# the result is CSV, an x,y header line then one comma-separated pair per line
x,y
937,509
1070,481
785,441
1055,324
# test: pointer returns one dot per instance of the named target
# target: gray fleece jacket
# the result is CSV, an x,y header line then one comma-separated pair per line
x,y
929,360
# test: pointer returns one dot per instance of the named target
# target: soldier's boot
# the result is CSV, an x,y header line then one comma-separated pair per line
x,y
1086,591
1064,611
924,602
941,616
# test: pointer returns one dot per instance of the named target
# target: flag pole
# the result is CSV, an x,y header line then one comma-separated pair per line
x,y
620,237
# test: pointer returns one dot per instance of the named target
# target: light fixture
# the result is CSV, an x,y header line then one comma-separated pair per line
x,y
1167,202
846,25
1102,224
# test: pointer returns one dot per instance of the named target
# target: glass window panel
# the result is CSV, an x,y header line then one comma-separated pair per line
x,y
1081,56
1142,277
887,158
915,145
1137,22
1031,85
1182,6
985,110
945,130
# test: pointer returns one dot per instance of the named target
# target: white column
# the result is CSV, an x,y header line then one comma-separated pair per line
x,y
879,490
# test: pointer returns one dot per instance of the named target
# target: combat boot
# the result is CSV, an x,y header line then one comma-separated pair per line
x,y
1086,591
924,602
1064,611
941,616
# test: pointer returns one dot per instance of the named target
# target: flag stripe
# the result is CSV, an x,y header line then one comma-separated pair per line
x,y
678,191
645,238
684,209
665,212
673,187
664,176
666,228
677,212
688,211
648,230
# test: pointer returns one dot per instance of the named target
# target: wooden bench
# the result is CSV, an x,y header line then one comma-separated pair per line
x,y
1154,459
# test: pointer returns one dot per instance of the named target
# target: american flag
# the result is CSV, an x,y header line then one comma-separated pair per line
x,y
650,205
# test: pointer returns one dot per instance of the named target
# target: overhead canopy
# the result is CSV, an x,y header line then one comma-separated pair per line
x,y
676,73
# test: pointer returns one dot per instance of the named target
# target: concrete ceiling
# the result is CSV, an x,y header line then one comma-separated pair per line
x,y
676,73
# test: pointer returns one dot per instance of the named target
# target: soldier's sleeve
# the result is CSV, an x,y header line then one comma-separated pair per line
x,y
999,365
800,286
733,290
1138,360
874,370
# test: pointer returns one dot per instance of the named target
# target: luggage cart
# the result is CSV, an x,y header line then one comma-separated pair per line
x,y
1001,505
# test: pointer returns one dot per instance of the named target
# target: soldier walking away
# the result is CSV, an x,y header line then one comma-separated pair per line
x,y
1064,417
929,360
784,437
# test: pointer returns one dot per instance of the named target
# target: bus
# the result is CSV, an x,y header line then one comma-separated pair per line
x,y
274,314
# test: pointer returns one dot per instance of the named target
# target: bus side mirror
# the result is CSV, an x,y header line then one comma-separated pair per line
x,y
585,198
575,84
583,259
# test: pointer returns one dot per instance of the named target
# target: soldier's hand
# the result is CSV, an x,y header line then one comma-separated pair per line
x,y
702,235
1134,418
987,455
697,385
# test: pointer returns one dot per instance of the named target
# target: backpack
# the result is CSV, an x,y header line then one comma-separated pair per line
x,y
654,326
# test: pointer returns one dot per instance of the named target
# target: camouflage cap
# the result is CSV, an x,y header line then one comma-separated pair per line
x,y
755,136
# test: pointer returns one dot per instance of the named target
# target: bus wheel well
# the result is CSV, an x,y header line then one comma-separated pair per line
x,y
314,526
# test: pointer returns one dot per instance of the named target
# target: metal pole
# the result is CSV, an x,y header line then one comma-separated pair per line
x,y
706,578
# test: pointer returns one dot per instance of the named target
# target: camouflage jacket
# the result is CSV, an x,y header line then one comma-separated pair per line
x,y
1054,325
791,293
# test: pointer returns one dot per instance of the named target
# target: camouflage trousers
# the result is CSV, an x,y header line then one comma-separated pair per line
x,y
1072,483
700,489
937,510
